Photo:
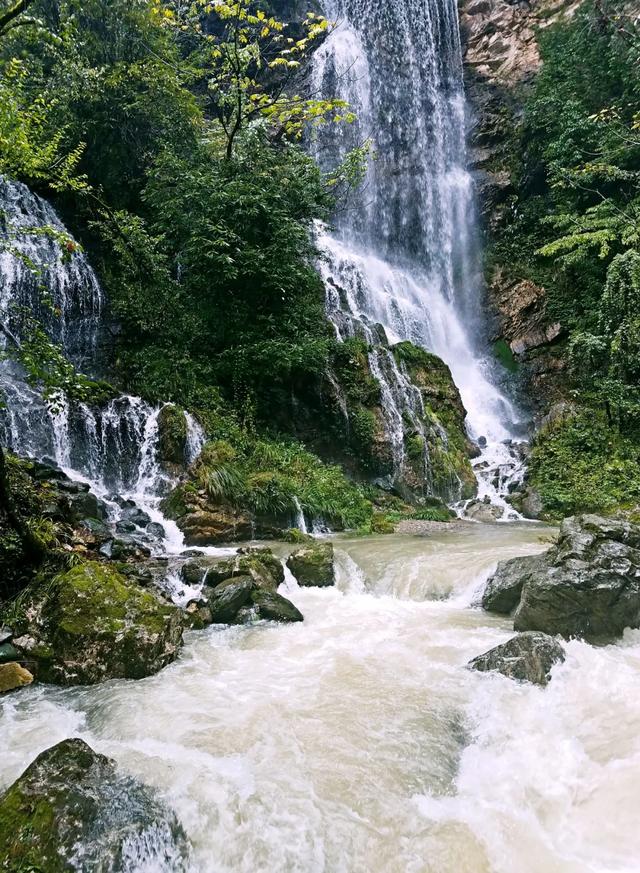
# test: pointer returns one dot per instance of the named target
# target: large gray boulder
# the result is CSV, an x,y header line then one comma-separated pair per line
x,y
528,657
313,566
587,585
73,810
504,589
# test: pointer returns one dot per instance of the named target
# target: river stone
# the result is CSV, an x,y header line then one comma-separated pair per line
x,y
589,585
504,589
260,563
274,607
13,676
8,652
72,810
91,624
194,569
227,598
313,566
527,657
483,511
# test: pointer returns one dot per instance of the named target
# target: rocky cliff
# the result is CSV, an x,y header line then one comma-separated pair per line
x,y
502,58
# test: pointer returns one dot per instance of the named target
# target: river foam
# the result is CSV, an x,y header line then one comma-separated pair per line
x,y
357,741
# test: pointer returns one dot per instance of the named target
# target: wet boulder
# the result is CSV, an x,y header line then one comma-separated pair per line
x,y
91,624
12,676
259,563
587,585
172,437
504,589
313,566
73,810
483,511
273,607
228,598
527,657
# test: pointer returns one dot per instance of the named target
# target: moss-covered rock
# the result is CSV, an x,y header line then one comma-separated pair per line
x,y
448,447
72,810
313,566
91,624
172,436
260,564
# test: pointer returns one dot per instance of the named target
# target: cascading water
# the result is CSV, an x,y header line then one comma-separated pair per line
x,y
113,447
407,257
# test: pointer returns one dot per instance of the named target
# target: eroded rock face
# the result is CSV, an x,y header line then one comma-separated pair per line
x,y
73,810
500,35
91,624
587,585
313,566
528,657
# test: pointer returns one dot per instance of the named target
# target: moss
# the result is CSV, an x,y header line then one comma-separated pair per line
x,y
35,851
172,434
505,356
175,505
581,464
90,623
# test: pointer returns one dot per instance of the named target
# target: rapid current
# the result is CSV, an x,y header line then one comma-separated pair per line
x,y
356,741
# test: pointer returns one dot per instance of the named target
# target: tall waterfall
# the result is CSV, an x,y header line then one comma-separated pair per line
x,y
113,447
407,255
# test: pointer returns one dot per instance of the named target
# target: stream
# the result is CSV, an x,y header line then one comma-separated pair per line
x,y
357,741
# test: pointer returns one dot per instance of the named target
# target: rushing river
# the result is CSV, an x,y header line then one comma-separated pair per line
x,y
357,742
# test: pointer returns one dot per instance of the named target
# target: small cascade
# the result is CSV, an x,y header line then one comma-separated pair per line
x,y
300,521
112,447
406,260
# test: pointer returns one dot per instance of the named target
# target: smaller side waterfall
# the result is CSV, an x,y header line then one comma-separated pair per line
x,y
114,447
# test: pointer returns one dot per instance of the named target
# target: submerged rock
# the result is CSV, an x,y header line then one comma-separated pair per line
x,y
313,566
72,810
504,589
91,624
587,585
13,676
527,657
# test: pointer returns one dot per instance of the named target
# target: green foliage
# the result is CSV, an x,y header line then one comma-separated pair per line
x,y
248,62
580,464
268,476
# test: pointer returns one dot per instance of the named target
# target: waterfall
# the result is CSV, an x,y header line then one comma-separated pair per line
x,y
114,446
407,257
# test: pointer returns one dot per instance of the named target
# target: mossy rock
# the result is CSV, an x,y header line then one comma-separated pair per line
x,y
260,564
172,436
313,566
72,810
91,624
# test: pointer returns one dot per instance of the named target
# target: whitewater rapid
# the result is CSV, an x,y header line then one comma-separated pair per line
x,y
357,742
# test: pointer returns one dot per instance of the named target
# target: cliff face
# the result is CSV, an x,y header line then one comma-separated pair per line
x,y
502,58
